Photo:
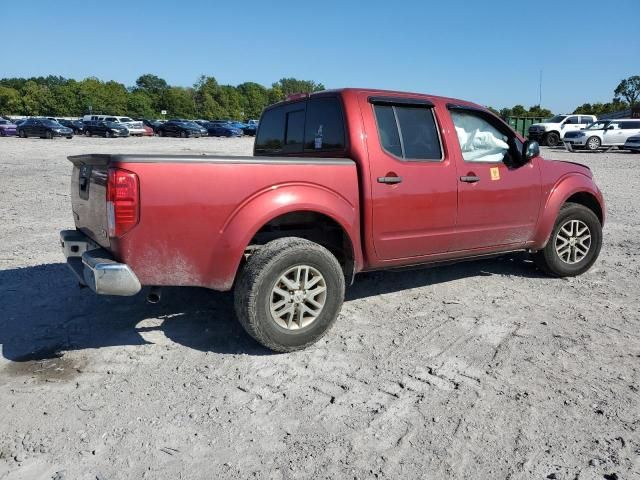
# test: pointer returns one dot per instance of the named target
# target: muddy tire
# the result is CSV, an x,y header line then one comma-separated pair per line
x,y
289,294
551,139
574,244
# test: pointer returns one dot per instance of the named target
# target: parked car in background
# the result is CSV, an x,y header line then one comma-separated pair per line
x,y
603,133
289,228
44,128
552,131
105,129
153,124
250,130
135,127
148,131
222,128
20,121
252,122
179,128
633,144
7,128
76,125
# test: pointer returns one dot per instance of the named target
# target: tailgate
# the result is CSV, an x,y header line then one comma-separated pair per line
x,y
89,196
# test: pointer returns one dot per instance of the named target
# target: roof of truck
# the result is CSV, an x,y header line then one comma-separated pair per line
x,y
377,91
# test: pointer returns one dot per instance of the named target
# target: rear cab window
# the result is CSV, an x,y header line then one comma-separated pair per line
x,y
407,130
304,127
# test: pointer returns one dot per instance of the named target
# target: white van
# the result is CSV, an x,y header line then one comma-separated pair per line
x,y
134,127
603,133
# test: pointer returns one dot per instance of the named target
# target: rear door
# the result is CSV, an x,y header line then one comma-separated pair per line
x,y
413,178
497,202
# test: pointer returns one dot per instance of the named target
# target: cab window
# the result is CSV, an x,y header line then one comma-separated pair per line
x,y
572,121
408,132
480,140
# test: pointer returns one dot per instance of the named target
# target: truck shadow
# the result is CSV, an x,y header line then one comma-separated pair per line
x,y
44,313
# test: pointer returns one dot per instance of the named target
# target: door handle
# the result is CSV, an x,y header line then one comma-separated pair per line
x,y
390,180
469,179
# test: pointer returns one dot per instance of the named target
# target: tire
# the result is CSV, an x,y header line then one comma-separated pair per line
x,y
571,219
183,135
107,134
551,139
255,293
21,134
592,144
161,133
48,135
87,133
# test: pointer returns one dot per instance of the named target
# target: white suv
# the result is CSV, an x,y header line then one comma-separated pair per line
x,y
603,133
552,131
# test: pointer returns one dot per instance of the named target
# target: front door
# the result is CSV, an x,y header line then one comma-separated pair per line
x,y
498,203
413,180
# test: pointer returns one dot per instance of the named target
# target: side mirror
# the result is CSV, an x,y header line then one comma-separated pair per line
x,y
530,149
611,127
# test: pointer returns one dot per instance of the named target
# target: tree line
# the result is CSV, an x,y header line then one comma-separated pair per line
x,y
65,97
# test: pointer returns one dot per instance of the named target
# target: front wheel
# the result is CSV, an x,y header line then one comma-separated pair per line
x,y
48,135
289,293
593,143
21,134
107,134
551,139
575,242
183,135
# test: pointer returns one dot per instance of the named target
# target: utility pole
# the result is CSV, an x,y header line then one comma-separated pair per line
x,y
540,90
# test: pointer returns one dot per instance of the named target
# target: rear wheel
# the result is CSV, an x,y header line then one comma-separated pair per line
x,y
87,133
161,133
21,134
48,135
551,139
574,244
593,143
107,134
289,293
183,135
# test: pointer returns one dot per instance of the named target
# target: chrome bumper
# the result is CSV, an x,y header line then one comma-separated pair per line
x,y
95,267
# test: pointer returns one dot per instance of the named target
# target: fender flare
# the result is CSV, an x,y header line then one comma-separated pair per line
x,y
262,207
564,188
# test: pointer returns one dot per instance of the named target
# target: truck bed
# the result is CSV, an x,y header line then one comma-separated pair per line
x,y
197,212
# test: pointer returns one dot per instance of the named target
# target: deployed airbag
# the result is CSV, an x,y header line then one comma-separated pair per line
x,y
479,141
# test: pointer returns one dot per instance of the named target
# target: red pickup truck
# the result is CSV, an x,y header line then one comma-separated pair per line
x,y
341,182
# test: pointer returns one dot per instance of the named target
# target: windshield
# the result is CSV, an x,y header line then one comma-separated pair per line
x,y
126,119
597,126
191,124
556,119
113,125
51,123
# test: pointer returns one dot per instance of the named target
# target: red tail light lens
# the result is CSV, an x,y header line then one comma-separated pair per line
x,y
123,201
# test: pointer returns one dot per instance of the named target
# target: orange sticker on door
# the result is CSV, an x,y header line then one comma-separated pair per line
x,y
495,173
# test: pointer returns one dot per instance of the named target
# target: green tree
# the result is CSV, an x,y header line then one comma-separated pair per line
x,y
289,86
36,99
629,89
10,103
140,105
151,83
179,103
254,98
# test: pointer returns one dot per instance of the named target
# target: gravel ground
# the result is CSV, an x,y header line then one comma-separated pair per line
x,y
480,370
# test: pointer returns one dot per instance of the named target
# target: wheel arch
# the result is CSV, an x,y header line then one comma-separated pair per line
x,y
305,210
575,188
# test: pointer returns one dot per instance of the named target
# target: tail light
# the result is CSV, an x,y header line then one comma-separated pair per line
x,y
123,201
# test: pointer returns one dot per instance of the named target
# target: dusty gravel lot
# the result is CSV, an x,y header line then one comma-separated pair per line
x,y
484,370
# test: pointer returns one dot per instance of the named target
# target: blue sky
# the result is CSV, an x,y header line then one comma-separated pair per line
x,y
490,52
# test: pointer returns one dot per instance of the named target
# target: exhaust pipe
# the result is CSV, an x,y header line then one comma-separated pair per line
x,y
154,295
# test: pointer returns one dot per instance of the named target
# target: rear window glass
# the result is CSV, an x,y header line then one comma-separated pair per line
x,y
324,128
295,128
311,126
630,125
408,132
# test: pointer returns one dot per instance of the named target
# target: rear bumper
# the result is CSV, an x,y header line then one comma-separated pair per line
x,y
95,268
